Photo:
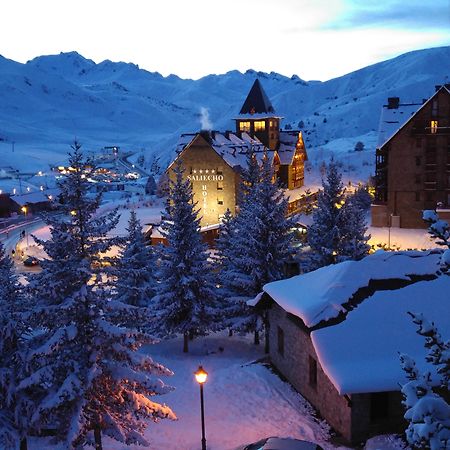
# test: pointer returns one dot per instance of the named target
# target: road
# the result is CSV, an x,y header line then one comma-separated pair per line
x,y
11,235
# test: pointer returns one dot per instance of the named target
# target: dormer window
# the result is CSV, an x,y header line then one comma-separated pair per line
x,y
434,126
260,125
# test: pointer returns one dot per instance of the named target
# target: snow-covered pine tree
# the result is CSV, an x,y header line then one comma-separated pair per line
x,y
135,272
324,234
84,370
427,412
13,406
440,230
353,243
259,244
338,231
186,299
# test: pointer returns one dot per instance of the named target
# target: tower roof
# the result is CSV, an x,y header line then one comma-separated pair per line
x,y
257,101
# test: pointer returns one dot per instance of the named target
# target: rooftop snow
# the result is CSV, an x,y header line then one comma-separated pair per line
x,y
392,120
361,354
319,295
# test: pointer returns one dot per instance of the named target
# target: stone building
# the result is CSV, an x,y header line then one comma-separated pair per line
x,y
335,334
413,161
214,160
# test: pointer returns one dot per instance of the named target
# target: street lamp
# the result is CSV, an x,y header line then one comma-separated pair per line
x,y
201,375
25,211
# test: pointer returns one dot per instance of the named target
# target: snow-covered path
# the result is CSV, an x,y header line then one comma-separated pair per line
x,y
244,402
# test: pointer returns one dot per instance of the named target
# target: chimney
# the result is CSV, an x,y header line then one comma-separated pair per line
x,y
206,135
393,102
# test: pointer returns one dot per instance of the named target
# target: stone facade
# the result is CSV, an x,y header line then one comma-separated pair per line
x,y
356,417
413,166
214,183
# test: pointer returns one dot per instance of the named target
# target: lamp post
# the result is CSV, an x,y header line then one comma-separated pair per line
x,y
25,211
201,375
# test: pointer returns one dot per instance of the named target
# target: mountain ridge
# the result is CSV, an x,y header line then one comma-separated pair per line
x,y
49,100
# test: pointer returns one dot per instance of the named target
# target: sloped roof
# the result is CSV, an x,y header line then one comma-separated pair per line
x,y
231,147
357,342
257,101
397,123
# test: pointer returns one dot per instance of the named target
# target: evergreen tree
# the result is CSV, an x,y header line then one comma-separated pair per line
x,y
353,243
439,230
427,412
136,279
14,408
259,244
339,226
84,370
186,301
324,235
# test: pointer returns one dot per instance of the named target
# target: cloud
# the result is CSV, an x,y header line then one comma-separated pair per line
x,y
416,14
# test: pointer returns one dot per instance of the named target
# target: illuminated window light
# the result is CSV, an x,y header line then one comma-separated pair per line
x,y
244,126
260,125
434,126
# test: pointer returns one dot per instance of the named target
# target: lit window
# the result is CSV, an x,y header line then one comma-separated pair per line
x,y
220,185
434,126
244,126
220,200
260,125
271,124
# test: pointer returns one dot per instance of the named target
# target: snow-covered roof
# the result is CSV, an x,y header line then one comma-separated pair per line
x,y
319,296
361,354
287,147
233,148
34,197
392,119
357,340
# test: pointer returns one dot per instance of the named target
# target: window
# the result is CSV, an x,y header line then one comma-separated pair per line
x,y
271,124
280,341
244,126
312,372
220,170
220,185
434,126
220,200
418,160
260,125
379,406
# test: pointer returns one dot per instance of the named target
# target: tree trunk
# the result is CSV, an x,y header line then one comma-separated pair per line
x,y
191,335
98,438
23,444
186,343
256,341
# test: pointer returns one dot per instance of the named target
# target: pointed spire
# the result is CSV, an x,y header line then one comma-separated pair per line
x,y
257,101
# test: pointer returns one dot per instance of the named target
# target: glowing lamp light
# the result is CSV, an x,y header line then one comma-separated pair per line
x,y
201,375
73,212
24,209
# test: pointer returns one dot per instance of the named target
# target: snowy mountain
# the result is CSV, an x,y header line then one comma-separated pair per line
x,y
50,100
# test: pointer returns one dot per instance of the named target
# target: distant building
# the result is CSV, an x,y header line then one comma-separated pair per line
x,y
335,334
413,161
214,160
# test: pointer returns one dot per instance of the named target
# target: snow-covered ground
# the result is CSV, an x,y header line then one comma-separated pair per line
x,y
244,400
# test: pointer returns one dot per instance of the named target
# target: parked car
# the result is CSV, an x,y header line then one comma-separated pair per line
x,y
31,261
275,443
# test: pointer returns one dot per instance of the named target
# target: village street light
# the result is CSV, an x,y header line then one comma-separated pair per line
x,y
25,211
201,375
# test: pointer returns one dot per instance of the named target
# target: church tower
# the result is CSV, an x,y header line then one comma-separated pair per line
x,y
257,118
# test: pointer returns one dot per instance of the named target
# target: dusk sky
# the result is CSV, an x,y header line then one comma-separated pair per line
x,y
315,39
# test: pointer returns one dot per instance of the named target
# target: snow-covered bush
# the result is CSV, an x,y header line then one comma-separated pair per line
x,y
427,411
439,230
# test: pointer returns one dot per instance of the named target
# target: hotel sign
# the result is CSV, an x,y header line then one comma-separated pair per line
x,y
204,175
